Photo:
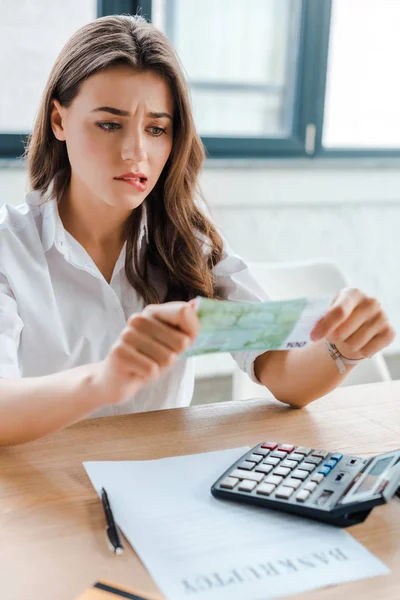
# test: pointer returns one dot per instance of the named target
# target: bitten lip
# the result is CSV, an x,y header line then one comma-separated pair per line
x,y
140,176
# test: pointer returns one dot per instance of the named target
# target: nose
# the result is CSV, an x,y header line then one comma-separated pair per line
x,y
133,149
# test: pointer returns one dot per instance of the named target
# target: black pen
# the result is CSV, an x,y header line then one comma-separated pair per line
x,y
111,529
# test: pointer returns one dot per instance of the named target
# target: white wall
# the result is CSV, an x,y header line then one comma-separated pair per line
x,y
277,212
13,185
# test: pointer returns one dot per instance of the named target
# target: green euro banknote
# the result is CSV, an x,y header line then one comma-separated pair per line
x,y
227,326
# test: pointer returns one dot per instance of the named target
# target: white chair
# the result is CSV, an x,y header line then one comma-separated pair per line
x,y
294,280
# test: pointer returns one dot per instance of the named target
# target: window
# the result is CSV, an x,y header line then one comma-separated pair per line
x,y
268,78
29,45
246,64
233,94
363,90
290,77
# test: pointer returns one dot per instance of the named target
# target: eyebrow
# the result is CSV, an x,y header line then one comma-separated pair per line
x,y
126,113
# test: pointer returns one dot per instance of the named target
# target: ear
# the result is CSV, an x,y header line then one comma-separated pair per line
x,y
56,120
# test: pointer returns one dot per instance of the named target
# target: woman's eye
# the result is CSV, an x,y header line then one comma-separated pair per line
x,y
157,131
111,126
108,126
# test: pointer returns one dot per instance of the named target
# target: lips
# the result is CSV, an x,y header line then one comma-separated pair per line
x,y
135,180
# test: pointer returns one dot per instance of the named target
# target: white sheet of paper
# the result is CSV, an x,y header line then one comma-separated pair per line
x,y
197,546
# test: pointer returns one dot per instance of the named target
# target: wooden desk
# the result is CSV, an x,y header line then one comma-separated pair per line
x,y
51,521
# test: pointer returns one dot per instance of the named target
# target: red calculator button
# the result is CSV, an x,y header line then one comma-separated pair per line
x,y
269,445
286,448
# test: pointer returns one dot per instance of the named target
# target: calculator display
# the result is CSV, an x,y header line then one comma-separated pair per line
x,y
380,466
369,481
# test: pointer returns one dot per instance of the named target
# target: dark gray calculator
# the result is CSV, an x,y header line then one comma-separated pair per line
x,y
327,486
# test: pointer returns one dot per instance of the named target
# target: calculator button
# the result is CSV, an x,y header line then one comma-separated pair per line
x,y
315,460
293,483
282,471
284,492
317,477
286,448
324,470
307,467
300,474
271,460
248,466
269,445
264,468
229,482
291,464
320,453
331,464
247,475
265,489
275,479
279,454
262,451
337,456
247,486
310,486
302,496
295,456
304,451
255,458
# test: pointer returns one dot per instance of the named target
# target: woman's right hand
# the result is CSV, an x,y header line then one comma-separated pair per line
x,y
148,345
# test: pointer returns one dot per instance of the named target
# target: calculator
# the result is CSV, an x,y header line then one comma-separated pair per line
x,y
326,486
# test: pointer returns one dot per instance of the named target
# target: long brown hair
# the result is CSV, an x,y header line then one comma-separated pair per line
x,y
183,244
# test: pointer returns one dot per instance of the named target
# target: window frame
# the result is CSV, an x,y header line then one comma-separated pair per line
x,y
309,96
117,7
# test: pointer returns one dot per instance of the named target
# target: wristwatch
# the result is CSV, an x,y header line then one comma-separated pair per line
x,y
339,359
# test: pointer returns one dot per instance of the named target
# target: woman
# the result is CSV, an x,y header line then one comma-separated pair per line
x,y
98,267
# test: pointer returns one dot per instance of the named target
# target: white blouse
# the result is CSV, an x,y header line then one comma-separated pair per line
x,y
58,312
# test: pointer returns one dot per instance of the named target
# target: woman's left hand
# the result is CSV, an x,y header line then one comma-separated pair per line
x,y
356,324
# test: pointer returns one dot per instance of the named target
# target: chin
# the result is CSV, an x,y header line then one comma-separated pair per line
x,y
126,202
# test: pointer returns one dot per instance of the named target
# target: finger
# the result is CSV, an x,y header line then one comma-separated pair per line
x,y
340,310
168,336
149,347
190,321
379,342
365,333
178,314
135,363
365,312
